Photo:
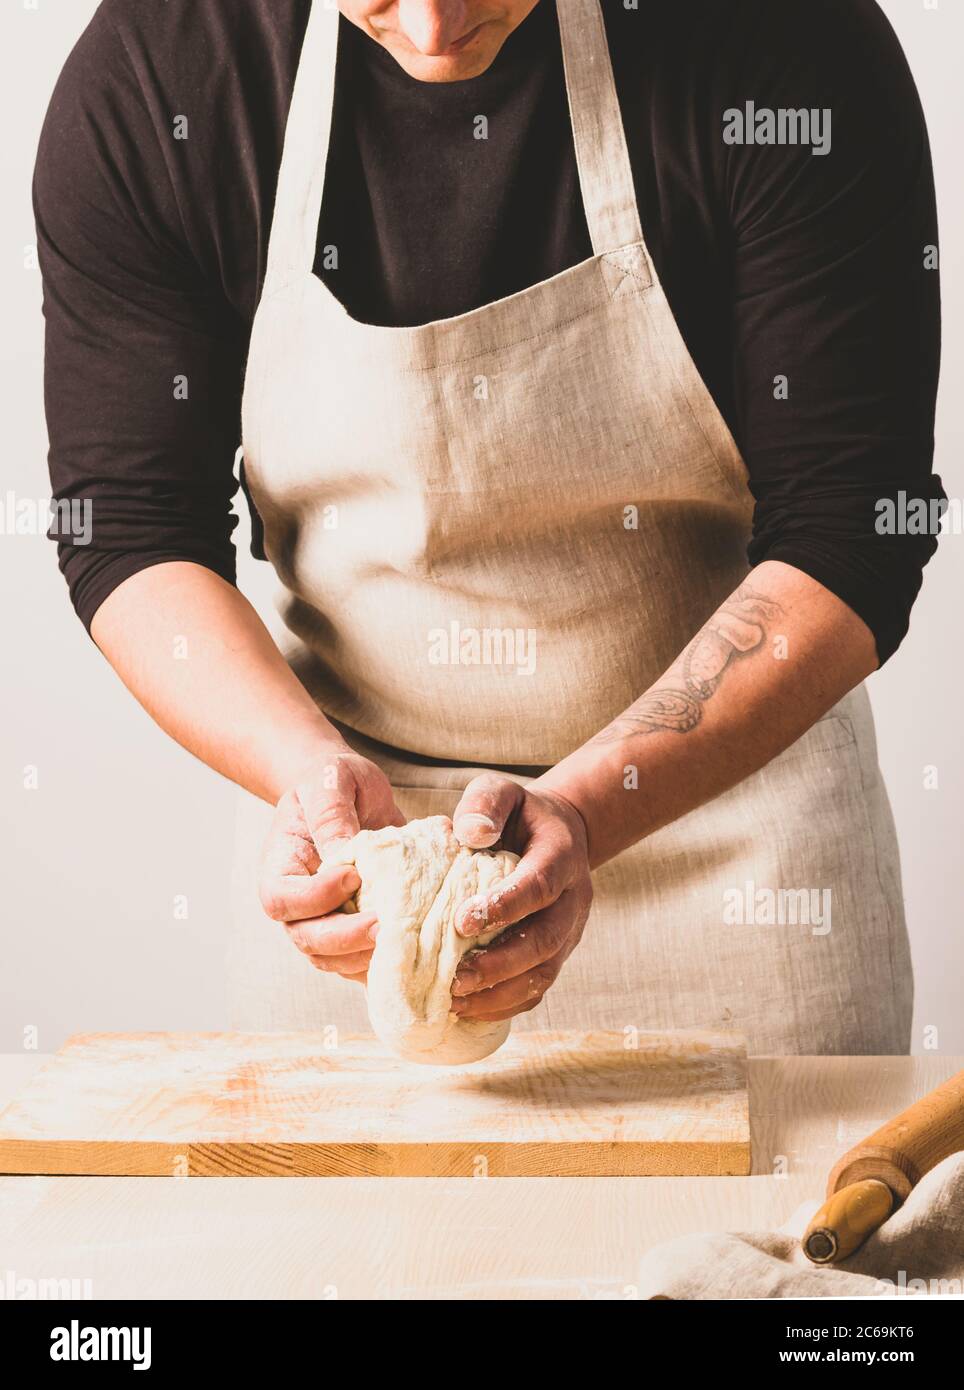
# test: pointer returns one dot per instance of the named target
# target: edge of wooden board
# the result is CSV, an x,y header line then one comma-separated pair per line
x,y
89,1158
78,1158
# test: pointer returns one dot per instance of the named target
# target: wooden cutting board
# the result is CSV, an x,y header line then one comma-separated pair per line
x,y
290,1104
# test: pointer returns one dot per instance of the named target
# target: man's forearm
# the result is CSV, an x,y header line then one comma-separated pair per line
x,y
772,660
201,662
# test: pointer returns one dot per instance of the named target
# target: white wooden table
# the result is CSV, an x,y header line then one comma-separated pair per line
x,y
440,1238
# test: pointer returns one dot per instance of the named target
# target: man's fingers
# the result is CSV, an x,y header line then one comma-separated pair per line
x,y
344,794
376,803
348,966
487,803
345,934
289,848
292,885
507,1013
511,996
293,898
538,940
534,883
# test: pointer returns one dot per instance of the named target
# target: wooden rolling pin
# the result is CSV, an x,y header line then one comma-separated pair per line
x,y
878,1174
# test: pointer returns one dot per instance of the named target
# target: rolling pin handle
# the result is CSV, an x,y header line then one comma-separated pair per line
x,y
846,1219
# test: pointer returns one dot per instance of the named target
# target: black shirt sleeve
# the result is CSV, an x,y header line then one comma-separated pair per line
x,y
143,361
835,290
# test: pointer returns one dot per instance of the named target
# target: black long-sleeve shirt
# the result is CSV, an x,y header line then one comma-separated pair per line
x,y
778,262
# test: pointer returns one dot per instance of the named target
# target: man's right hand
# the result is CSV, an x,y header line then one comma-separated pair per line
x,y
339,793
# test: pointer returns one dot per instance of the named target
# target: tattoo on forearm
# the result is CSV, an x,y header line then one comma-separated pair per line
x,y
737,629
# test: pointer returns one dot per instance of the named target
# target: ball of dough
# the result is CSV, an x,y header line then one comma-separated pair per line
x,y
414,878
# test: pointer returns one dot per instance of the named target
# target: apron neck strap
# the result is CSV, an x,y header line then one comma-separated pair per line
x,y
301,178
602,155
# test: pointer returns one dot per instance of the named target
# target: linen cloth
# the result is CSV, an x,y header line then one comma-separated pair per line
x,y
918,1250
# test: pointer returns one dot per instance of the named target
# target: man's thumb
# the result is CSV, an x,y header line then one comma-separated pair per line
x,y
328,801
486,805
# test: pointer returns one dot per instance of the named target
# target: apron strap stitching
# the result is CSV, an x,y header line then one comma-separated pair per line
x,y
631,269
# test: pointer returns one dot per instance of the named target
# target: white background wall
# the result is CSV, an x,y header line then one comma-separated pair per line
x,y
122,819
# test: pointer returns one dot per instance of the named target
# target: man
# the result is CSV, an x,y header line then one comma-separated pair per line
x,y
543,329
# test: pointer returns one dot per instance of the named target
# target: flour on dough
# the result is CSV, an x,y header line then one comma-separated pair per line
x,y
414,878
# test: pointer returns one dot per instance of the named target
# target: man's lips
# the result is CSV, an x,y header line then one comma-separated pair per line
x,y
461,43
449,52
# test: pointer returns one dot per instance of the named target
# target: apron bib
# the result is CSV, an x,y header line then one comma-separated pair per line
x,y
493,533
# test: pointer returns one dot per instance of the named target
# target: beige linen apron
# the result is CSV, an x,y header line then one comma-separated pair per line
x,y
494,532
